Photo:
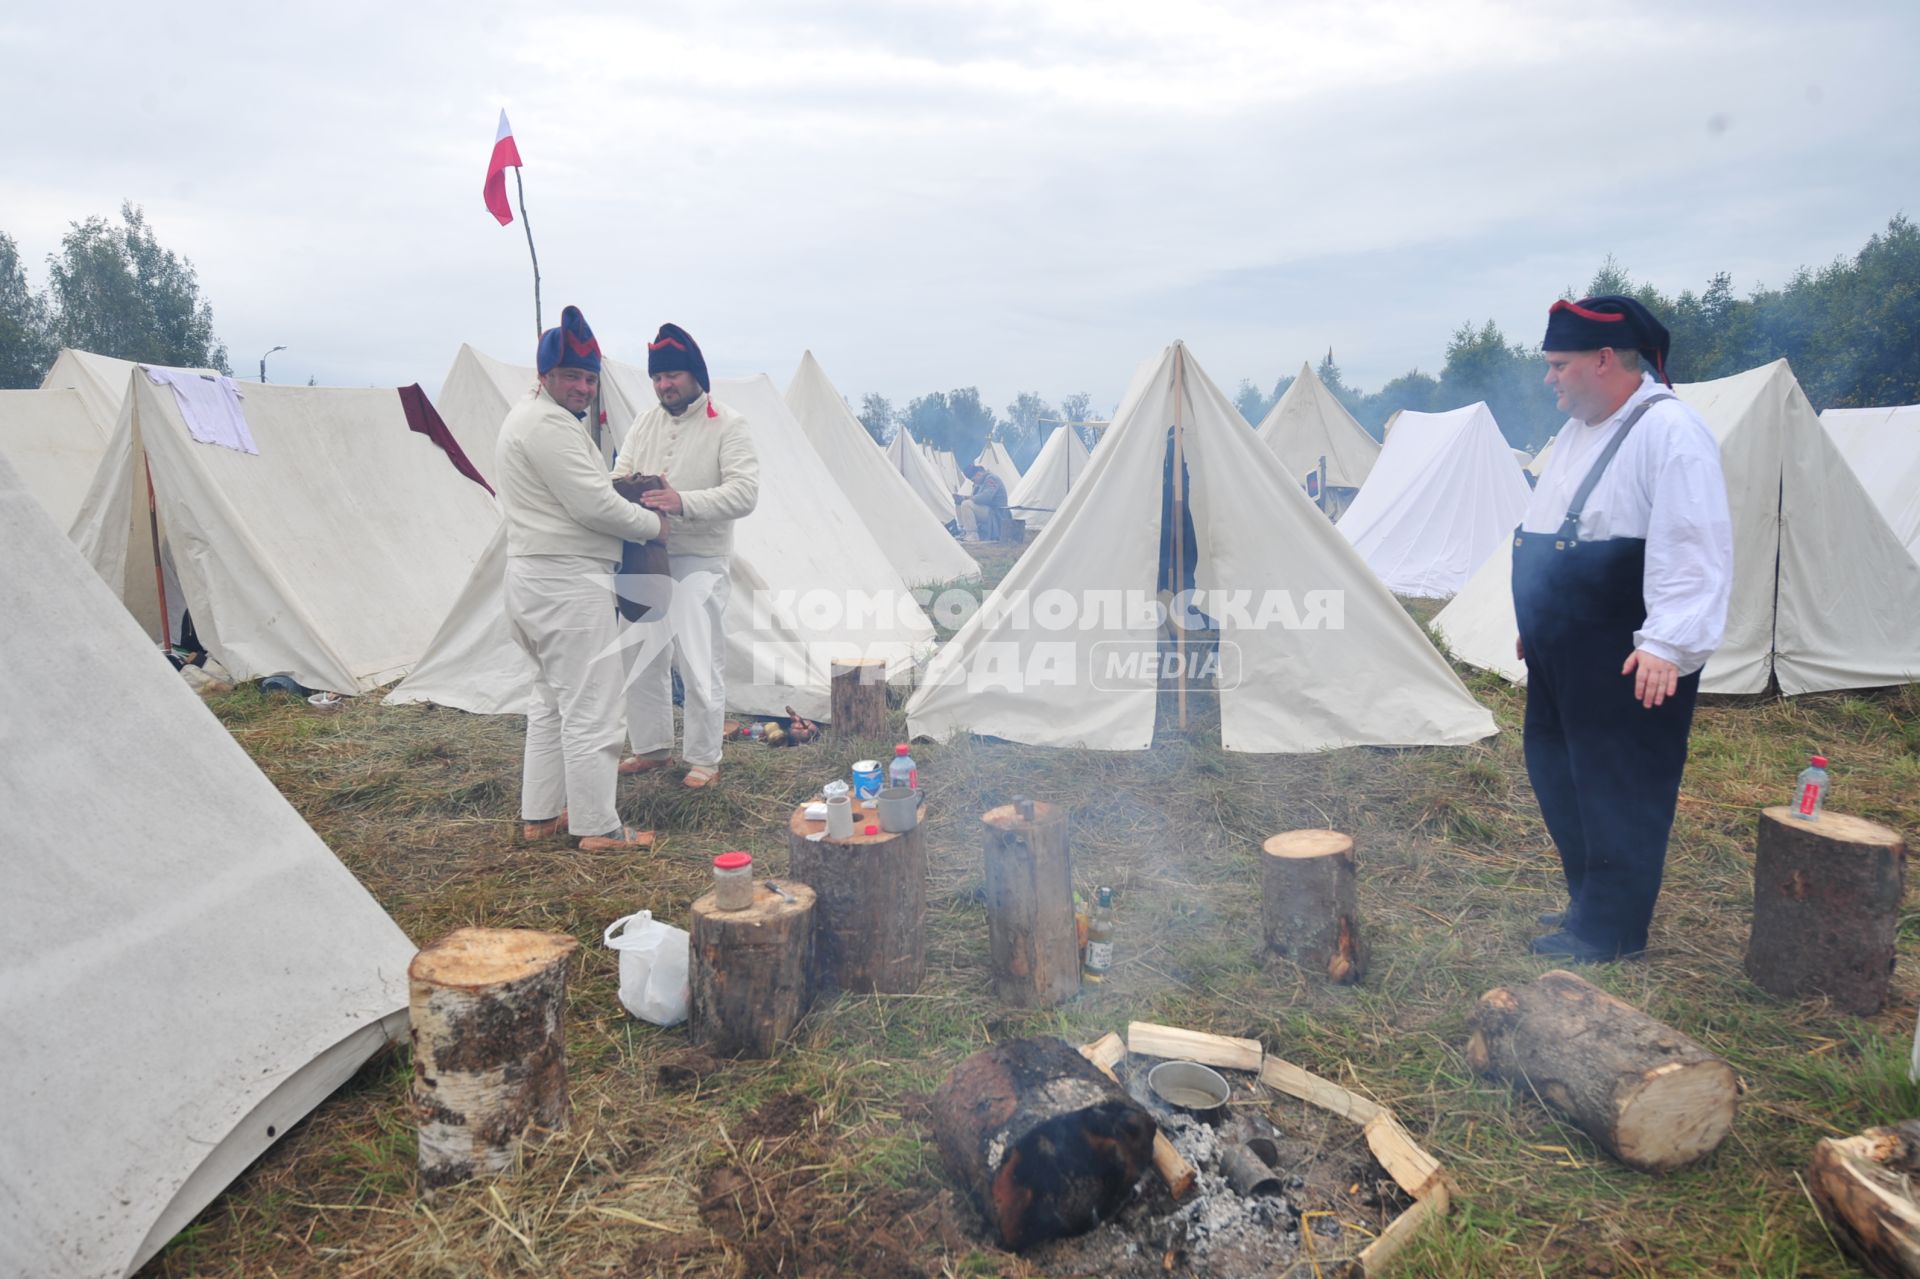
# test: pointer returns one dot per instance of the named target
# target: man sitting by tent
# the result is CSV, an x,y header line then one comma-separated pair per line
x,y
983,513
565,525
704,453
1621,573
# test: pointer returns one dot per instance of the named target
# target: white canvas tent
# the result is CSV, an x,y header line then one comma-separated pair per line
x,y
479,390
947,467
101,381
1443,495
996,459
1883,448
803,573
186,969
1062,460
918,545
1308,423
330,556
911,461
1824,595
55,445
1314,652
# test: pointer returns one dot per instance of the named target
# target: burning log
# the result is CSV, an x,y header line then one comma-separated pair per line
x,y
1826,908
870,928
1031,934
748,970
489,1052
857,698
1172,1166
1864,1189
1644,1091
1044,1143
1307,904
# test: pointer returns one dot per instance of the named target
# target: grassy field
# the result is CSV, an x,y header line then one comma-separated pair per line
x,y
820,1163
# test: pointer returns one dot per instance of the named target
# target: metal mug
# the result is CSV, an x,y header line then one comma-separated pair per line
x,y
899,809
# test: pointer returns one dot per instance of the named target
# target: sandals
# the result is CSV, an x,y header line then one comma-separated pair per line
x,y
644,763
533,832
626,839
701,776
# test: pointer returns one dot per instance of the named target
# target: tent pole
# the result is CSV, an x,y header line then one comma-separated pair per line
x,y
159,576
1179,530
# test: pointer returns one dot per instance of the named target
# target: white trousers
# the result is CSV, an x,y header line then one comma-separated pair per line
x,y
560,612
691,639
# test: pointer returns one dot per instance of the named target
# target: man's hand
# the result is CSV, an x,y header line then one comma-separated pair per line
x,y
1519,648
664,500
1654,679
661,536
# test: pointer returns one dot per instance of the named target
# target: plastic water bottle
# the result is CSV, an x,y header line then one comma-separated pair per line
x,y
902,771
1810,793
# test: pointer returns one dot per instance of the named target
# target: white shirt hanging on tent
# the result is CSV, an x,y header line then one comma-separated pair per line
x,y
1664,485
209,405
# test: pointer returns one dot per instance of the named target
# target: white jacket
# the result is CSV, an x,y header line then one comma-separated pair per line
x,y
554,488
706,455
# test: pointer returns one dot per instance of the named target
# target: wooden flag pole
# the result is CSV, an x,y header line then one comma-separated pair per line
x,y
1179,529
539,325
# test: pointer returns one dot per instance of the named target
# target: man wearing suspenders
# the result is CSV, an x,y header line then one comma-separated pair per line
x,y
1621,572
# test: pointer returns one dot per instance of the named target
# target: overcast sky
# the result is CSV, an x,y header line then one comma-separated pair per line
x,y
1019,196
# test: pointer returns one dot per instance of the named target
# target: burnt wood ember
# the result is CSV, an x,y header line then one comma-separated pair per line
x,y
1648,1094
1826,908
1044,1143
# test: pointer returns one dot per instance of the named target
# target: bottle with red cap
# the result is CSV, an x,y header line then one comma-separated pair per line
x,y
903,771
1810,793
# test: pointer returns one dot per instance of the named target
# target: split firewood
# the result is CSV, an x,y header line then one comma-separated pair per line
x,y
1149,1040
1863,1187
1648,1094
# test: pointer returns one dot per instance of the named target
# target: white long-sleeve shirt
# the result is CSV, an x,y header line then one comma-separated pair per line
x,y
1664,485
554,488
707,456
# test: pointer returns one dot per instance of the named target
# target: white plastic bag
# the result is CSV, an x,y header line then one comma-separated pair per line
x,y
653,968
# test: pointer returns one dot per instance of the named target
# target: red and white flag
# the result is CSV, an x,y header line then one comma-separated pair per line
x,y
505,156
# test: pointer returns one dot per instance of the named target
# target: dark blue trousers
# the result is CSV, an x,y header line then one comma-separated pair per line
x,y
1605,768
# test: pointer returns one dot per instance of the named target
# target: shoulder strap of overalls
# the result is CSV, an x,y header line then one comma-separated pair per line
x,y
1570,528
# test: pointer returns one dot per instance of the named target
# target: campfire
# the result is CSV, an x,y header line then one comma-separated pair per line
x,y
1240,1164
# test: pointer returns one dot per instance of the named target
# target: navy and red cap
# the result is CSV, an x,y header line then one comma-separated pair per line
x,y
673,350
570,345
1608,319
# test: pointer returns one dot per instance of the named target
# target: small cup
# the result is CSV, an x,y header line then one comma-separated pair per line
x,y
839,818
899,809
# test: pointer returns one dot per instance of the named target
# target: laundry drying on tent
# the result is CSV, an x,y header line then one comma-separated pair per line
x,y
1312,651
916,541
1824,594
329,555
189,969
1444,493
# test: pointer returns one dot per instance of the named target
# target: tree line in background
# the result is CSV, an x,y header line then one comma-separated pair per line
x,y
1851,330
111,289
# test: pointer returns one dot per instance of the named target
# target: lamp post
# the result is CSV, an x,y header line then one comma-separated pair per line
x,y
263,362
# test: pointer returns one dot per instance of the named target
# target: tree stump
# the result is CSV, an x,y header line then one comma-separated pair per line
x,y
870,924
857,698
1031,934
489,1049
1864,1189
1307,904
1826,908
1652,1097
1044,1143
747,970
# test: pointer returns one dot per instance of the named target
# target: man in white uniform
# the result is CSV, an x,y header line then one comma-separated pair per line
x,y
1621,573
565,525
704,452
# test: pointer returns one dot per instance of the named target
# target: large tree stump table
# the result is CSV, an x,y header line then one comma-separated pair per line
x,y
870,924
1308,910
1031,935
748,970
489,1048
1826,908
